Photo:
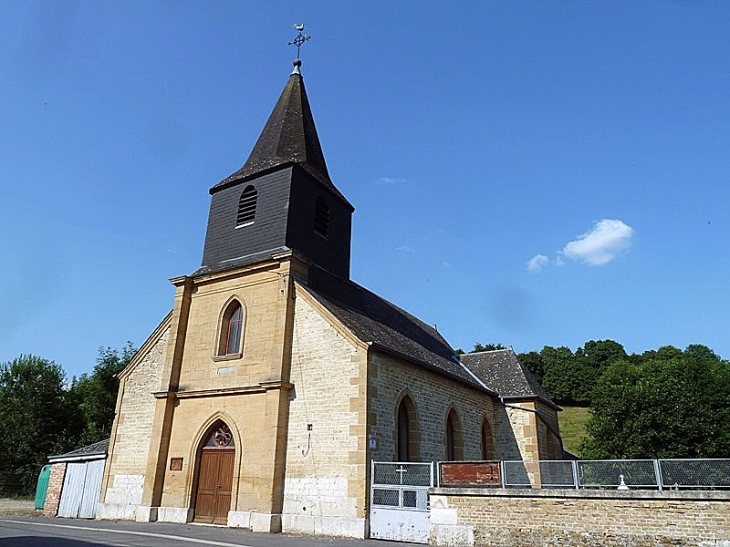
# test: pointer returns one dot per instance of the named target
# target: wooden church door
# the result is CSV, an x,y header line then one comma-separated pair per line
x,y
215,477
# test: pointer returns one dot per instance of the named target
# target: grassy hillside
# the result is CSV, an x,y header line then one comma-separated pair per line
x,y
573,426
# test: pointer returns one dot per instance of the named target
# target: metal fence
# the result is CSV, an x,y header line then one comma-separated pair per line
x,y
676,474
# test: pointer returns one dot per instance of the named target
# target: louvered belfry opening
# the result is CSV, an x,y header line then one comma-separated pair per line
x,y
247,206
322,217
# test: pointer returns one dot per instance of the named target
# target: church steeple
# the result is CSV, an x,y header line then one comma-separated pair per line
x,y
282,198
289,137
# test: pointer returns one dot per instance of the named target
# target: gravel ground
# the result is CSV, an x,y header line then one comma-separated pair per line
x,y
17,507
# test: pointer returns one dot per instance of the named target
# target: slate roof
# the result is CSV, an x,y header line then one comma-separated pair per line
x,y
288,137
96,449
387,327
502,371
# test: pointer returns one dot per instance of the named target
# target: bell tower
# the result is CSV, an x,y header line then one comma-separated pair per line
x,y
282,198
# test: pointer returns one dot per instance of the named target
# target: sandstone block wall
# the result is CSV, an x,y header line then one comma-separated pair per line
x,y
434,396
325,488
125,469
578,518
262,293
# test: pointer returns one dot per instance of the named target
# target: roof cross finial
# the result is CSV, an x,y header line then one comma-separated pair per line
x,y
298,41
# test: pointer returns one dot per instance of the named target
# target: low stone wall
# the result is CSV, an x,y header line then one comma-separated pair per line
x,y
586,518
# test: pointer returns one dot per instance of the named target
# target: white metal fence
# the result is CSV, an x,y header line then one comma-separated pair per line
x,y
665,474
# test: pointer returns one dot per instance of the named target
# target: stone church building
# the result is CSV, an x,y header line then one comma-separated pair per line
x,y
264,395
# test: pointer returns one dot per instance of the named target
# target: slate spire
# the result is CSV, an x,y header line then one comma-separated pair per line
x,y
289,137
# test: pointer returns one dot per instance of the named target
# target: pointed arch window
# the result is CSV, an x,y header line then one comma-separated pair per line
x,y
406,434
247,206
231,332
454,443
322,217
487,441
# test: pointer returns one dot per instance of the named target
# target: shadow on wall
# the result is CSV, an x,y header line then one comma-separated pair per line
x,y
506,446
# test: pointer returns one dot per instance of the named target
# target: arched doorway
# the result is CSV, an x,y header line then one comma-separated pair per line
x,y
215,476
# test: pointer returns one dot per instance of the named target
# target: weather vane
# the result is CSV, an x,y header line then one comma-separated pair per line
x,y
301,37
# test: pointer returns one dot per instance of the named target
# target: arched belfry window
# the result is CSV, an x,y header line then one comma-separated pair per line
x,y
247,206
231,332
406,431
322,217
454,443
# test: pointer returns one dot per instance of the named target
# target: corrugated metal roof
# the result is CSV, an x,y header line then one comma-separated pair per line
x,y
93,450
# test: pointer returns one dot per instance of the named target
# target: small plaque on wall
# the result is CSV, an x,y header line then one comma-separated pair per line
x,y
176,464
373,443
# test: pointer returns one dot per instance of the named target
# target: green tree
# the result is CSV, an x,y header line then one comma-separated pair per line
x,y
96,394
563,378
534,364
479,347
37,419
675,404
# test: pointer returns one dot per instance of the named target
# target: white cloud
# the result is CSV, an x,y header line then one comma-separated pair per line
x,y
602,244
405,249
390,180
537,263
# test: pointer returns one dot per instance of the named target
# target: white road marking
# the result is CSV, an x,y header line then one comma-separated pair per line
x,y
128,532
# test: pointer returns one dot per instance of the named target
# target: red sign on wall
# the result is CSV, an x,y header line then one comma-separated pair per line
x,y
470,474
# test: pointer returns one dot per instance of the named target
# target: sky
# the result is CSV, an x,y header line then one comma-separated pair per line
x,y
527,173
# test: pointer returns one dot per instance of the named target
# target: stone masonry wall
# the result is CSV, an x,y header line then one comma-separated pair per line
x,y
324,490
55,485
433,395
126,466
526,518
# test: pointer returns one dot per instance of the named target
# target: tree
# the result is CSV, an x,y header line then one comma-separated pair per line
x,y
37,419
563,379
534,364
479,347
96,394
675,404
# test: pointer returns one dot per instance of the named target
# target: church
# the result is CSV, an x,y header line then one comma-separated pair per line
x,y
264,395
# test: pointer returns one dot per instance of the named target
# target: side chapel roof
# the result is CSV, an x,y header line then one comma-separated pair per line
x,y
502,371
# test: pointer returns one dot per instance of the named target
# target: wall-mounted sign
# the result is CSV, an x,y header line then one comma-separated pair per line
x,y
373,443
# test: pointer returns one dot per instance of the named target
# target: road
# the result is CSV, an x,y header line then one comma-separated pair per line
x,y
54,532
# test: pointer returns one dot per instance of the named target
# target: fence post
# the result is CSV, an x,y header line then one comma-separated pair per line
x,y
501,468
658,474
574,466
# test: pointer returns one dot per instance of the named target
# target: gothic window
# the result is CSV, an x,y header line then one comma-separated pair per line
x,y
246,206
231,331
322,217
487,441
454,443
220,437
406,431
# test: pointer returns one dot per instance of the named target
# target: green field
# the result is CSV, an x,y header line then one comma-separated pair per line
x,y
573,426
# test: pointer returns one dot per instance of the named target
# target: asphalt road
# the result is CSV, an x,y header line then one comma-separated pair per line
x,y
54,532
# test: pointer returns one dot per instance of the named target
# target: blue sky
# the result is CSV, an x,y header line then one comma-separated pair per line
x,y
530,173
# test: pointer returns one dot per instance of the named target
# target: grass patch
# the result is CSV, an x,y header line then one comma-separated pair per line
x,y
573,427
